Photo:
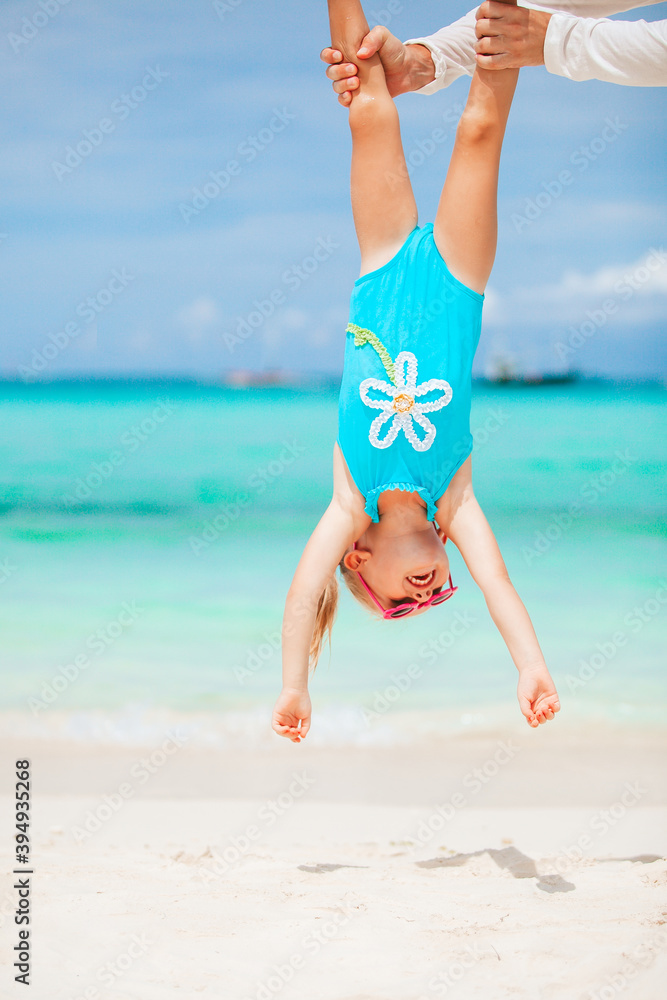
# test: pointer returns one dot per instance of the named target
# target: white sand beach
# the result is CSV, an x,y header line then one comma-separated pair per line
x,y
513,864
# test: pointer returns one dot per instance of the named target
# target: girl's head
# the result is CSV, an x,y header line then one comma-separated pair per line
x,y
401,568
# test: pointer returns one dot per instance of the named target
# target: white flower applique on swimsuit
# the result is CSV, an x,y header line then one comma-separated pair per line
x,y
402,407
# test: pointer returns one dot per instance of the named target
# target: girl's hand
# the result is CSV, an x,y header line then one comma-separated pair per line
x,y
293,707
538,699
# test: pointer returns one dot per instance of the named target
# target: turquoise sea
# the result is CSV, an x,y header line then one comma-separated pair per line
x,y
149,532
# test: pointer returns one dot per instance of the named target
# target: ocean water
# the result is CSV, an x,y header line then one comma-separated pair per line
x,y
149,532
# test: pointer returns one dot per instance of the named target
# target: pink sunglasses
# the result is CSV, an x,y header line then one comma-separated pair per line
x,y
406,609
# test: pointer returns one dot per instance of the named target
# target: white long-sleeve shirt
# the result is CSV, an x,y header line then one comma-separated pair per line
x,y
581,43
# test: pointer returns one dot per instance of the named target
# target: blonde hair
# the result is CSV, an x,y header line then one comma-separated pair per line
x,y
326,614
328,606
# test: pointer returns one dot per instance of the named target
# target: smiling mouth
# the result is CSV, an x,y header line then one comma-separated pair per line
x,y
423,581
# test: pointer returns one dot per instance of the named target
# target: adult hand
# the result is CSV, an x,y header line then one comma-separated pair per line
x,y
510,37
406,67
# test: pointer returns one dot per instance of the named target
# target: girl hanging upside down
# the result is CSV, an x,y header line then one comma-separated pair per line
x,y
402,465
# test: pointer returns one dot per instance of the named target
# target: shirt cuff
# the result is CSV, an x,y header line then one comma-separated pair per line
x,y
554,43
439,62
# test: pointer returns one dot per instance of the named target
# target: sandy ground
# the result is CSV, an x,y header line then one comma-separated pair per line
x,y
511,865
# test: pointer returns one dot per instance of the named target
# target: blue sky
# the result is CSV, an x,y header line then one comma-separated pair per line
x,y
111,265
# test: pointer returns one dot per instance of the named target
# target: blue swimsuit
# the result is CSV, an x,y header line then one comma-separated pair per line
x,y
404,406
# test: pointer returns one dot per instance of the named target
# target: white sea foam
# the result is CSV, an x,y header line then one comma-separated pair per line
x,y
332,725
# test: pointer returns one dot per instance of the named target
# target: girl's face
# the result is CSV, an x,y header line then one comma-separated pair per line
x,y
408,567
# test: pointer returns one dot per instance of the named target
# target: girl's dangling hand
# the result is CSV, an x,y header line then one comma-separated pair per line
x,y
291,714
537,695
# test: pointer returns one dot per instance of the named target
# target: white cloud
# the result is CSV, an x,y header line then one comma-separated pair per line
x,y
198,318
645,276
493,306
636,289
140,340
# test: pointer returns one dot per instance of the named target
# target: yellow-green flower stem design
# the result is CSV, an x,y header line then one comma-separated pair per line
x,y
362,337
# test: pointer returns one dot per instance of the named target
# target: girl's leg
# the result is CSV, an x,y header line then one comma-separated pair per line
x,y
466,223
383,204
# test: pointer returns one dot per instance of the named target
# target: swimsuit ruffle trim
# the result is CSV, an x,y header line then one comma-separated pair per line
x,y
371,507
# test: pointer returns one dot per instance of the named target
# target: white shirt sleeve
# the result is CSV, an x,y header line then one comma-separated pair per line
x,y
453,51
633,53
578,47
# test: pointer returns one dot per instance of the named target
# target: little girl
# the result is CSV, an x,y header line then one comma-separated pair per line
x,y
402,466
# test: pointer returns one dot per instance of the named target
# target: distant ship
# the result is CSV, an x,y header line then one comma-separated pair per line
x,y
502,369
241,378
281,378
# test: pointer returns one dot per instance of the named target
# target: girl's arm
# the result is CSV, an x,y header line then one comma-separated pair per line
x,y
324,550
342,523
473,537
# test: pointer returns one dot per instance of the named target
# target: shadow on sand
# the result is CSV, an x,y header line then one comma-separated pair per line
x,y
521,866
